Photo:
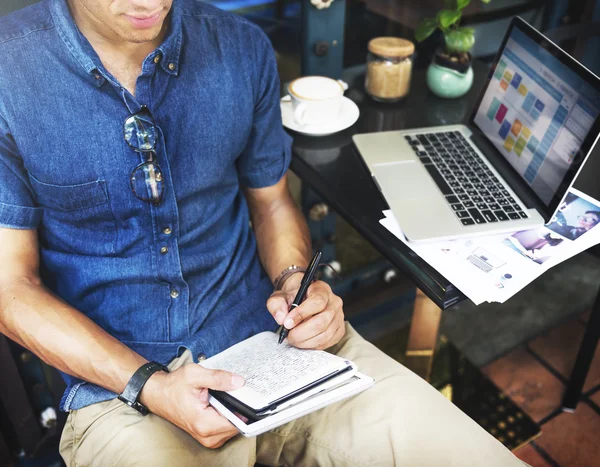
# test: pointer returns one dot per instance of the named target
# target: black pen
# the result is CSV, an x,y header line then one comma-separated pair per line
x,y
307,279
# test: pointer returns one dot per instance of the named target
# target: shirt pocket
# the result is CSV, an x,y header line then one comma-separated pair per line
x,y
76,218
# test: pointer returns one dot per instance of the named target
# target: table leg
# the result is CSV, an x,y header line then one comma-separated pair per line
x,y
585,355
423,335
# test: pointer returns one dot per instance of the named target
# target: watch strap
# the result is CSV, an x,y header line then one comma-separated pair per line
x,y
132,391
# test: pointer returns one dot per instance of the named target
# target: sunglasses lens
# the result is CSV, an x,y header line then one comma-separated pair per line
x,y
140,131
147,182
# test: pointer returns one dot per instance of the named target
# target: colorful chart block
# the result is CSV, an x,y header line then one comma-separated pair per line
x,y
520,145
501,113
526,132
516,128
509,143
539,105
508,76
491,113
516,81
500,69
533,144
534,114
504,85
504,129
522,90
528,102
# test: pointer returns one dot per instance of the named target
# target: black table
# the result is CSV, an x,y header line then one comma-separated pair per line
x,y
332,167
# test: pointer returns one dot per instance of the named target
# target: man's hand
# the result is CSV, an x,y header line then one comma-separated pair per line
x,y
181,397
318,323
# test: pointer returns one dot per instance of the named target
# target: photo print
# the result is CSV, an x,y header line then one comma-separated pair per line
x,y
539,245
575,217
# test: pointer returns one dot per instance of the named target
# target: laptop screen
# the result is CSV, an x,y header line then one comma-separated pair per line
x,y
538,112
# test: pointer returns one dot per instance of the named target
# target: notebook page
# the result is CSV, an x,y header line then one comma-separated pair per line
x,y
272,370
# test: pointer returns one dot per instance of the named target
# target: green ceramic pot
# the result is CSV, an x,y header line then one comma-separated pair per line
x,y
449,79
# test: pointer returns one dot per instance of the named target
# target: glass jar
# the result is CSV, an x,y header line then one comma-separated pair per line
x,y
389,68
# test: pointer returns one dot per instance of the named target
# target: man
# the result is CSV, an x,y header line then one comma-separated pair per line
x,y
138,138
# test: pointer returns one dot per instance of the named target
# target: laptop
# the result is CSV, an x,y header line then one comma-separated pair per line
x,y
535,123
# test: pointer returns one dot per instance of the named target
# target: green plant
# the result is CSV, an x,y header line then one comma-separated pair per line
x,y
458,39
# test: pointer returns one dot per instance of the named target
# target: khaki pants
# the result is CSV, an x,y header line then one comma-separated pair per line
x,y
401,421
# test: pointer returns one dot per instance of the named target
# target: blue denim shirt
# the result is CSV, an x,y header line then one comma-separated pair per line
x,y
184,274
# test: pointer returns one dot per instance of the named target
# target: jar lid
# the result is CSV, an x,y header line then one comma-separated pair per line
x,y
391,47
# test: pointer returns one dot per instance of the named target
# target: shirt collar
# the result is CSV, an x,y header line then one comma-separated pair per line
x,y
86,56
171,45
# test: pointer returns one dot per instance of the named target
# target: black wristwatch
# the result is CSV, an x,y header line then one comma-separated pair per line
x,y
132,391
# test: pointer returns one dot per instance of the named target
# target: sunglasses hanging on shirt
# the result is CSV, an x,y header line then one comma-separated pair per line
x,y
146,179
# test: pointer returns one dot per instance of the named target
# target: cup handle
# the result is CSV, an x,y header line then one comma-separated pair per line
x,y
299,114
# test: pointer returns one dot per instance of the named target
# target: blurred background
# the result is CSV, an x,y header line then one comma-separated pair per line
x,y
366,19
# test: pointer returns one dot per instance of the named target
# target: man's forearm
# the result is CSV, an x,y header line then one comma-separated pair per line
x,y
281,234
64,337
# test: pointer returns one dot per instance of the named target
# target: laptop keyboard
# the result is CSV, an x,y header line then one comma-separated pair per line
x,y
471,189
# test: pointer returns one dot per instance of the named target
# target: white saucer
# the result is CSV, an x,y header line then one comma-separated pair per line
x,y
349,114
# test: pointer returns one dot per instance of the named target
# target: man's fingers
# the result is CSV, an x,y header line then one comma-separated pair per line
x,y
211,423
223,380
278,306
311,327
213,379
241,417
325,339
322,329
316,301
219,432
215,442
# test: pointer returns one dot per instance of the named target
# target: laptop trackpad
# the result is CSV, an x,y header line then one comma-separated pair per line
x,y
406,180
415,200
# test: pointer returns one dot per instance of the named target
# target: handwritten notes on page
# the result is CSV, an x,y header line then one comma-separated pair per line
x,y
272,370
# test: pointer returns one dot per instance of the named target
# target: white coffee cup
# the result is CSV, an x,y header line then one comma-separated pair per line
x,y
316,99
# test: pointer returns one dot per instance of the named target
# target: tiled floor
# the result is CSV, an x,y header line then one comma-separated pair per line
x,y
534,376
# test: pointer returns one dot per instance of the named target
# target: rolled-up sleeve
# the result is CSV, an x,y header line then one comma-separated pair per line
x,y
17,206
266,157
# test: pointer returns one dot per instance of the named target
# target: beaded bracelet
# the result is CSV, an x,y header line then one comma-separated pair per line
x,y
287,272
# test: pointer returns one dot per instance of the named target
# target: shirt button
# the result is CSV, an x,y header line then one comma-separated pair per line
x,y
201,357
157,59
164,250
167,231
97,76
174,293
171,66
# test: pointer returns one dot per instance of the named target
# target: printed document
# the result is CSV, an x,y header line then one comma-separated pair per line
x,y
494,268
